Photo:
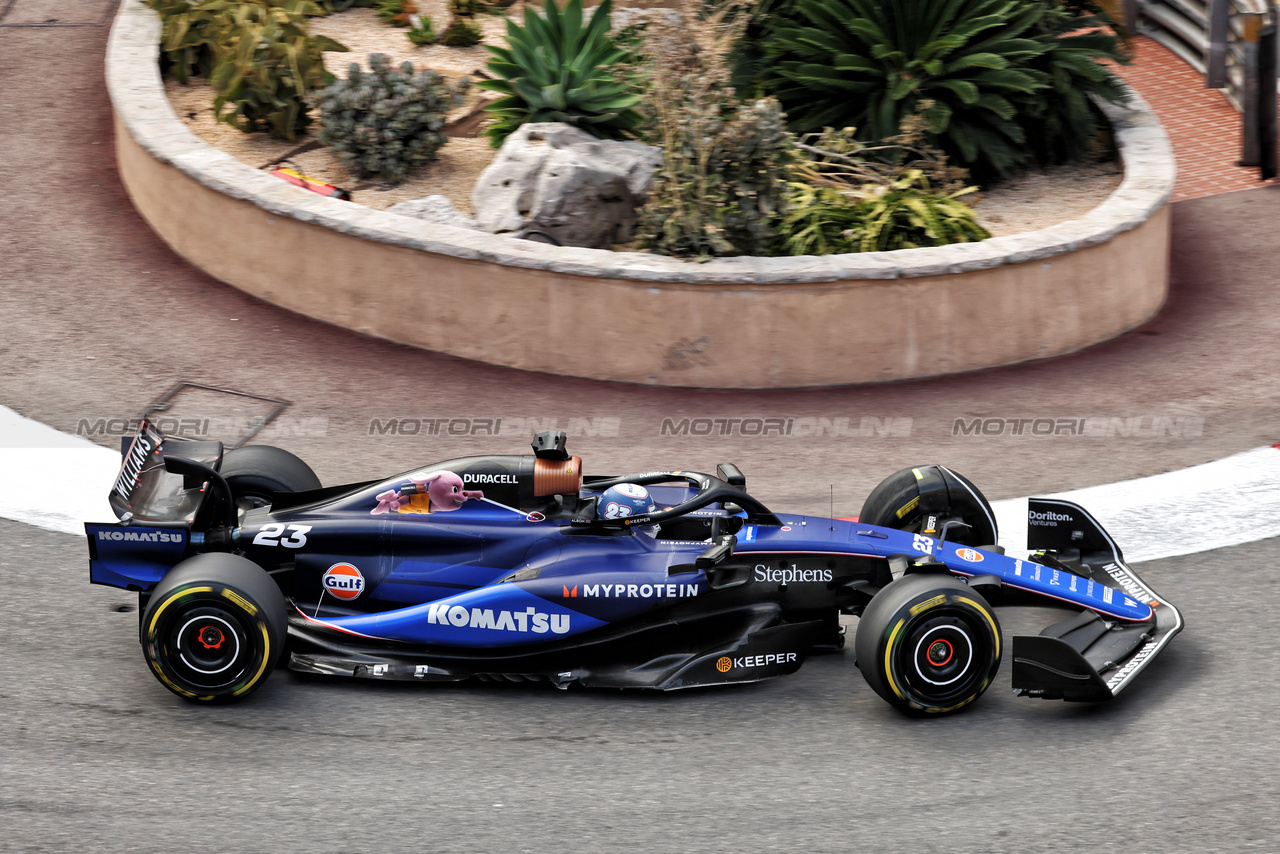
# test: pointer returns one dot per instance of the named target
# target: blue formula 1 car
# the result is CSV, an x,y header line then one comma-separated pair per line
x,y
520,568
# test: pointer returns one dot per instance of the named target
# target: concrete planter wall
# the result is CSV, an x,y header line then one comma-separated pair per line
x,y
633,317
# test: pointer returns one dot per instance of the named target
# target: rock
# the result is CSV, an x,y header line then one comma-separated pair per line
x,y
435,209
555,178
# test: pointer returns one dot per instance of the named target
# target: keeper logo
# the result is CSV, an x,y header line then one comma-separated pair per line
x,y
725,664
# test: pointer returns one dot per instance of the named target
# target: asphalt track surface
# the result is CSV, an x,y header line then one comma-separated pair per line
x,y
98,318
99,756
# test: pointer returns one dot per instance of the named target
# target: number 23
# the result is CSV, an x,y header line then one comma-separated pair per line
x,y
270,536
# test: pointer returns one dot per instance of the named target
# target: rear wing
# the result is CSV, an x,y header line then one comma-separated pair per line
x,y
1089,656
163,486
147,491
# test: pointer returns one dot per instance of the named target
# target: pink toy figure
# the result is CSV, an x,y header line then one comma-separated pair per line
x,y
436,492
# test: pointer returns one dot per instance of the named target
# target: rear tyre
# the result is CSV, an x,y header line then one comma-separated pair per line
x,y
895,503
256,473
214,627
928,645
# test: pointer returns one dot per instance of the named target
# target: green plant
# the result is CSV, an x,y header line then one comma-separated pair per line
x,y
331,6
905,214
461,32
422,34
265,63
256,54
722,186
388,120
847,196
994,70
467,8
397,13
1064,125
556,69
184,37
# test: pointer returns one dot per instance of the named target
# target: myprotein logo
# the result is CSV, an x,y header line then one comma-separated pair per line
x,y
140,536
724,664
1048,518
528,620
343,581
634,591
790,575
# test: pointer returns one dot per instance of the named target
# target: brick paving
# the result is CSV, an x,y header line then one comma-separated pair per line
x,y
1202,125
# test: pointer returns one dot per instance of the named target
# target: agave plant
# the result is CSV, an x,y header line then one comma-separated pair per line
x,y
559,69
994,70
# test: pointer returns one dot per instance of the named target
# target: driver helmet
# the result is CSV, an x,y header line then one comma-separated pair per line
x,y
623,500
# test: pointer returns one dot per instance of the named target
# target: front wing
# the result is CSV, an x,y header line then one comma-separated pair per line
x,y
1089,656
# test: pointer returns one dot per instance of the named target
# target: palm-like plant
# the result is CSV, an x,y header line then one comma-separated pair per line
x,y
993,70
558,69
1063,123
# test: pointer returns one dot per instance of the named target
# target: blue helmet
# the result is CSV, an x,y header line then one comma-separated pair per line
x,y
623,500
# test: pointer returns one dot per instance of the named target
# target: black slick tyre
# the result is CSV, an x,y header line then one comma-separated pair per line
x,y
213,628
928,645
895,503
257,472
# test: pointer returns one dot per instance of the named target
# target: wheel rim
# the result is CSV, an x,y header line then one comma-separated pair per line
x,y
206,646
944,656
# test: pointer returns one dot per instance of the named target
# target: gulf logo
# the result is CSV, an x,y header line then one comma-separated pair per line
x,y
343,581
969,555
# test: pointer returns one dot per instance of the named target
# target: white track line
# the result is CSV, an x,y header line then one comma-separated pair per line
x,y
1223,503
52,479
58,481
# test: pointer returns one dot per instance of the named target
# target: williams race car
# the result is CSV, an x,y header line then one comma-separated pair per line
x,y
520,568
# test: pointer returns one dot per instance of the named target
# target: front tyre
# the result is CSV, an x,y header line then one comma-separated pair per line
x,y
928,644
896,503
214,627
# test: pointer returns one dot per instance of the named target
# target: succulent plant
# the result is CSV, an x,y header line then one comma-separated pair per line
x,y
461,32
467,8
397,13
388,120
559,69
422,33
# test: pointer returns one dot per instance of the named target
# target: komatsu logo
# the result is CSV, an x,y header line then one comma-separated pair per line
x,y
489,478
1048,518
140,536
528,620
